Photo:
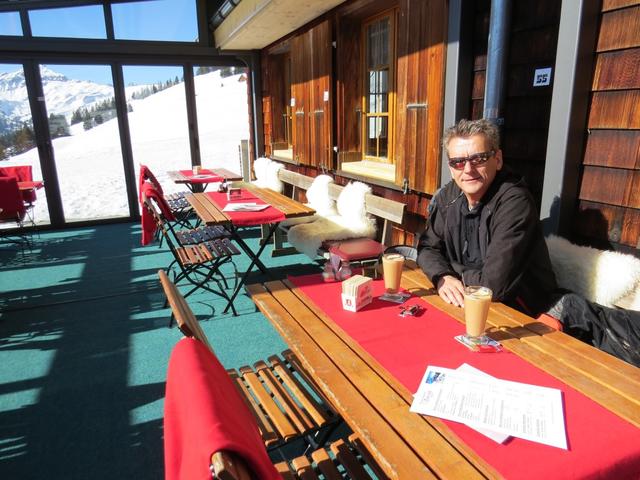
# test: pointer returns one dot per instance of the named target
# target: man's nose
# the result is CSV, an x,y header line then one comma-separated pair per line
x,y
468,167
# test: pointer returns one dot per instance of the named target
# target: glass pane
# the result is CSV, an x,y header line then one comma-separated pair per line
x,y
378,88
70,22
158,120
86,141
378,43
223,116
17,140
164,20
10,24
377,141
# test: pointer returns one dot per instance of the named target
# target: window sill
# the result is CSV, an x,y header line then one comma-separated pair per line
x,y
367,168
283,156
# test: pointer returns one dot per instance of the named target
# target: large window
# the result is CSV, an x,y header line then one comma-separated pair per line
x,y
379,88
72,22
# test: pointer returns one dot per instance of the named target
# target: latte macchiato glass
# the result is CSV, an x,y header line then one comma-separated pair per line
x,y
196,170
392,264
476,308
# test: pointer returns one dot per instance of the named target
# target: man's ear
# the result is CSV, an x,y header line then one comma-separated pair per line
x,y
499,160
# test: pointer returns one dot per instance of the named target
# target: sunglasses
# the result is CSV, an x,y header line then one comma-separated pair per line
x,y
475,160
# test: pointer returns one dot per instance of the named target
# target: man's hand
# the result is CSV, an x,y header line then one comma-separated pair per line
x,y
451,290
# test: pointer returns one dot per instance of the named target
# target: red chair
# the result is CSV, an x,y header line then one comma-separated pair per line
x,y
24,174
12,207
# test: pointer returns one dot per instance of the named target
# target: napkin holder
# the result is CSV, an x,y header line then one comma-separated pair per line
x,y
362,297
234,193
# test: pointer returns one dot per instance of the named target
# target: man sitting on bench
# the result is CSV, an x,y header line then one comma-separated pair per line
x,y
483,229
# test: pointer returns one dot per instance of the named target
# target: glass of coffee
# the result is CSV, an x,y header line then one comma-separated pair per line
x,y
392,264
476,308
196,170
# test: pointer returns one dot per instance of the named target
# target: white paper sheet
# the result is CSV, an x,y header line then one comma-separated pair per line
x,y
495,436
518,409
244,207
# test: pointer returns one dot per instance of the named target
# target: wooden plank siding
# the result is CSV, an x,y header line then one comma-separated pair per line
x,y
609,194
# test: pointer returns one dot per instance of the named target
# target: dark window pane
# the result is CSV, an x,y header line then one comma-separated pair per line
x,y
71,22
10,24
378,43
161,20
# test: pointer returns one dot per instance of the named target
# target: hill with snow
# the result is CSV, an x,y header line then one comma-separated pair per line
x,y
89,163
62,95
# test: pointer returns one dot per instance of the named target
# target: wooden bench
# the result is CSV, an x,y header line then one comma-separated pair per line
x,y
384,209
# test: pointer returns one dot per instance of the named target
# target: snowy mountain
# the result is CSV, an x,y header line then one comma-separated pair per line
x,y
89,162
62,96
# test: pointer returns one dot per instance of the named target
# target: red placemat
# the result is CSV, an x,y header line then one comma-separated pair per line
x,y
205,176
601,444
268,215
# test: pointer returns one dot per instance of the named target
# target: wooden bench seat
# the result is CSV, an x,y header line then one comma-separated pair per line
x,y
386,210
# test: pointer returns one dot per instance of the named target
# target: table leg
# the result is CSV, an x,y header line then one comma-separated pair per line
x,y
255,260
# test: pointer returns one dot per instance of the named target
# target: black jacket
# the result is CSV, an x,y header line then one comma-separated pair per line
x,y
516,263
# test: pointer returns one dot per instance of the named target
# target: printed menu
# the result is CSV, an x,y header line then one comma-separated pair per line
x,y
483,402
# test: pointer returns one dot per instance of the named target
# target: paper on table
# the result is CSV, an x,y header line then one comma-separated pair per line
x,y
495,436
518,409
244,207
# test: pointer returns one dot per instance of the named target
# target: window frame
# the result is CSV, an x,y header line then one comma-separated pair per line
x,y
391,14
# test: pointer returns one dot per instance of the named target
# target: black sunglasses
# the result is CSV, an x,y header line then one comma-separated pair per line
x,y
475,160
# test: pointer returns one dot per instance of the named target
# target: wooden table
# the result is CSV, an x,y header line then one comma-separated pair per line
x,y
178,177
376,405
212,214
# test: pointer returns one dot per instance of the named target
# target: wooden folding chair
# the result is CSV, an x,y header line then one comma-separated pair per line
x,y
198,264
225,440
278,391
339,460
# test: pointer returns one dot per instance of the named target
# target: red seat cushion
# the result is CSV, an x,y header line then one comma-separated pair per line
x,y
355,249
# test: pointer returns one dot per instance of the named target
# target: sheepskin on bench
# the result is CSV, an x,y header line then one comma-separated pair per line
x,y
266,172
603,277
319,199
351,221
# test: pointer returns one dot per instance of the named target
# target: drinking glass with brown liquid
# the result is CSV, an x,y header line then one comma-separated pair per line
x,y
477,300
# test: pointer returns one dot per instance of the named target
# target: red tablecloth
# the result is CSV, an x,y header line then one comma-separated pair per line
x,y
268,215
205,176
601,444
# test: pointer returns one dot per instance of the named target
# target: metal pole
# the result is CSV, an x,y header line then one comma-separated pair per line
x,y
494,90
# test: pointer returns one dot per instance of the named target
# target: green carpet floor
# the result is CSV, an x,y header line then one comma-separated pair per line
x,y
84,347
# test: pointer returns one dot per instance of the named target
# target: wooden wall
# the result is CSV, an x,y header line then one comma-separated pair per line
x,y
609,197
532,44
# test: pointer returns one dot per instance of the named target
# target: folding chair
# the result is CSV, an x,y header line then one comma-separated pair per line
x,y
188,235
180,209
198,264
273,390
226,440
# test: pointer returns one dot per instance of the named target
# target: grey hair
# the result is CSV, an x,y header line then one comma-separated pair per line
x,y
468,128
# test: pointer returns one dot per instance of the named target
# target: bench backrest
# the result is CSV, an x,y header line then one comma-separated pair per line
x,y
384,208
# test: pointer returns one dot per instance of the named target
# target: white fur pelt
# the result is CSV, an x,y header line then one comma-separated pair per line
x,y
352,221
318,196
266,171
600,276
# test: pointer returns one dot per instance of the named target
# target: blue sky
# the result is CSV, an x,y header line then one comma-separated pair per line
x,y
173,20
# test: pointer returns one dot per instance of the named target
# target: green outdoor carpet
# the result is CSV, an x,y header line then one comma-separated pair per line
x,y
84,347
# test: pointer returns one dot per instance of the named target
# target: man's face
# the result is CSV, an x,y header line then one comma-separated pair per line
x,y
474,181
